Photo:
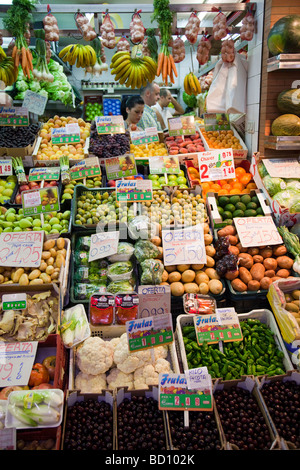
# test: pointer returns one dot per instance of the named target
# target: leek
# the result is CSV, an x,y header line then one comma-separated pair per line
x,y
292,244
49,397
74,326
21,415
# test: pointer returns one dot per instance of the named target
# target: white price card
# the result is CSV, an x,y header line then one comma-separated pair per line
x,y
184,246
154,300
34,102
103,244
283,167
198,379
257,231
16,361
21,249
6,168
216,165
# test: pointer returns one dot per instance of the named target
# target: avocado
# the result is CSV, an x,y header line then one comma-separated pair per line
x,y
245,199
234,199
240,206
238,213
252,205
223,200
229,208
250,213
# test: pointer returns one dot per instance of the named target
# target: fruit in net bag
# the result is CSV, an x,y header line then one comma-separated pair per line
x,y
107,31
192,28
50,28
123,45
136,27
178,50
203,50
84,27
228,51
219,26
247,28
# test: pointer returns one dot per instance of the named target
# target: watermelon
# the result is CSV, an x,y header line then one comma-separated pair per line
x,y
288,101
284,36
286,125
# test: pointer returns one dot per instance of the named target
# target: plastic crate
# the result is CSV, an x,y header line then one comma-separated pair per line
x,y
111,106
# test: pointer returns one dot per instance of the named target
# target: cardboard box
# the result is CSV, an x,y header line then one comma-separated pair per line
x,y
281,214
237,153
20,152
37,162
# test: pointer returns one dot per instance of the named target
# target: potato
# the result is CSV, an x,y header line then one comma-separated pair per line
x,y
197,267
257,271
234,250
191,288
270,273
233,240
253,285
275,278
164,284
279,250
208,239
201,278
270,263
253,251
188,276
46,255
183,267
50,261
174,276
1,279
285,262
203,288
283,273
230,275
60,243
245,275
45,278
35,273
36,282
212,273
241,248
24,281
266,252
258,259
265,282
156,241
210,250
170,269
228,230
215,286
290,307
53,252
48,245
164,277
296,302
296,294
15,277
50,270
210,262
245,260
60,261
177,289
238,285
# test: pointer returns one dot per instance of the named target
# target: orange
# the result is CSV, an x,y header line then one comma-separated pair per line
x,y
234,191
246,178
251,186
205,186
238,186
246,191
227,187
215,187
222,192
239,171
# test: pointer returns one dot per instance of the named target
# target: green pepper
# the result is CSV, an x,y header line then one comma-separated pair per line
x,y
224,369
195,345
259,350
249,368
228,376
215,355
215,368
188,347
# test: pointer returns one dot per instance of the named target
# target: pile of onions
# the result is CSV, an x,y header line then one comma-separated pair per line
x,y
84,27
108,32
178,50
51,28
136,27
247,28
192,28
203,50
219,26
123,45
228,51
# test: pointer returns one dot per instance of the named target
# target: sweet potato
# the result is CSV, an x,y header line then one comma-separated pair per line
x,y
234,250
270,263
279,250
257,271
228,230
245,275
253,251
253,285
285,262
233,240
258,259
245,260
265,282
275,278
283,273
238,285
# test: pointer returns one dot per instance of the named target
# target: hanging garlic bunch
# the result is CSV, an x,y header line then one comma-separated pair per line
x,y
108,32
228,51
136,27
178,50
219,26
203,50
51,28
192,28
84,27
123,44
247,28
145,47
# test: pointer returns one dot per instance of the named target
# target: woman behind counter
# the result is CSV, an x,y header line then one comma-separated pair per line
x,y
132,111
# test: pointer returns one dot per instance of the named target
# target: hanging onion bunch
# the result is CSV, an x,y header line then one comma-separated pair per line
x,y
178,50
247,28
100,64
51,28
41,71
203,50
228,51
192,28
123,44
136,27
85,27
108,32
219,26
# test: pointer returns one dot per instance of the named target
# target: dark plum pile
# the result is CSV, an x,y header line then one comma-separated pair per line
x,y
108,145
18,137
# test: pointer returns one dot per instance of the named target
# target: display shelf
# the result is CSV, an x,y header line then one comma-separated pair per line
x,y
282,142
283,61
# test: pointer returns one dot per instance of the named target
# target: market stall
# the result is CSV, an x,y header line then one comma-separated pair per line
x,y
148,279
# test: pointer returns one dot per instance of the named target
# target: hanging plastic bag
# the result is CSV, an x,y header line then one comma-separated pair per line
x,y
178,50
123,44
219,26
50,27
136,27
247,28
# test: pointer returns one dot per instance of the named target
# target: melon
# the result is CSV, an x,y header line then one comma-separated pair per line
x,y
284,36
288,101
286,125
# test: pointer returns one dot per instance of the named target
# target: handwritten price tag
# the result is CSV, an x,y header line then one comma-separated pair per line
x,y
16,361
103,244
216,165
257,231
6,167
184,246
154,300
21,249
283,168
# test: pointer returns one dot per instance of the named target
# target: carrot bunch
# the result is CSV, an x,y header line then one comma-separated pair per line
x,y
22,56
166,66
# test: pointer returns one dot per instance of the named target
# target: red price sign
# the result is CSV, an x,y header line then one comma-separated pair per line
x,y
257,231
21,249
216,165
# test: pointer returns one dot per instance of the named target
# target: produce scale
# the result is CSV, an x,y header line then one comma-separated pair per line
x,y
149,278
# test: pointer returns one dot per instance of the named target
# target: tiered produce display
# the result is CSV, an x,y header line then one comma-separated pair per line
x,y
124,269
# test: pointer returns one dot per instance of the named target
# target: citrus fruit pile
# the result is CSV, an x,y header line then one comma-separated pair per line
x,y
221,140
154,149
241,184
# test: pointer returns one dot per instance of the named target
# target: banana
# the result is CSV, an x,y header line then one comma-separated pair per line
x,y
125,75
119,61
120,66
192,83
119,54
197,83
121,73
186,85
130,78
92,53
65,51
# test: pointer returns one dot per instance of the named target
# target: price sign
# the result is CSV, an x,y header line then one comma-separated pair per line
x,y
149,332
120,167
45,173
21,249
10,116
110,124
257,231
154,300
216,122
134,191
183,125
65,135
103,244
34,102
6,167
86,168
175,394
14,301
16,361
216,165
145,136
40,201
223,325
283,167
184,246
164,165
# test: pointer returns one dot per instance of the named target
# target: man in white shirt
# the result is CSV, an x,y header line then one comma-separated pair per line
x,y
162,109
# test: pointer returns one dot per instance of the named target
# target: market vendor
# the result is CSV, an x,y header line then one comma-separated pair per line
x,y
163,110
133,109
150,95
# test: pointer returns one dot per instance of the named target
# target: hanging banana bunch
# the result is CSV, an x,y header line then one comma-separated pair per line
x,y
133,69
79,55
191,84
8,72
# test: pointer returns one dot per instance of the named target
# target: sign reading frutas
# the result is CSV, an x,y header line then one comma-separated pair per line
x,y
46,173
223,325
120,167
40,201
69,134
149,332
103,244
216,165
184,246
134,191
110,124
86,168
21,249
257,231
183,125
10,116
146,136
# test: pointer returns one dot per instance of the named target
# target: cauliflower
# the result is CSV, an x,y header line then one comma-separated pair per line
x,y
88,383
162,366
128,361
160,352
94,356
114,341
145,376
117,378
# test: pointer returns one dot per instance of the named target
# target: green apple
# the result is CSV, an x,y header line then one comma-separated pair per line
x,y
2,183
181,180
46,227
7,192
156,185
153,177
162,180
172,177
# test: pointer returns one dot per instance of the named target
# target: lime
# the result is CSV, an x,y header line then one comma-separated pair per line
x,y
223,200
229,208
234,199
245,199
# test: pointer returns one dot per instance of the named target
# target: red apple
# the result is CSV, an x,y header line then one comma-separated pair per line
x,y
24,187
18,199
53,183
111,183
33,185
